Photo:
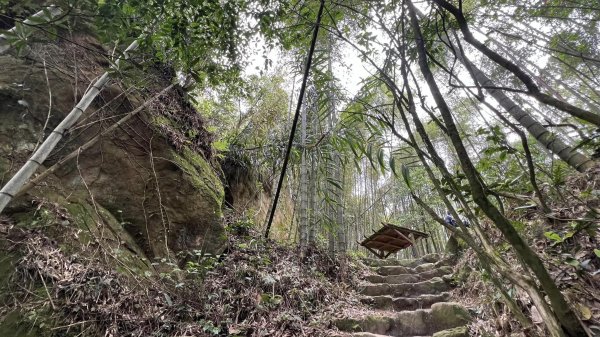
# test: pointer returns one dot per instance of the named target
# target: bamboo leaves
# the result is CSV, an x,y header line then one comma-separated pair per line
x,y
406,176
18,36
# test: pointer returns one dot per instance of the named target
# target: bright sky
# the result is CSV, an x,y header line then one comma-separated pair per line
x,y
350,71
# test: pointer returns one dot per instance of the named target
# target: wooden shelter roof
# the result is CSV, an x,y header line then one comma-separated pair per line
x,y
390,239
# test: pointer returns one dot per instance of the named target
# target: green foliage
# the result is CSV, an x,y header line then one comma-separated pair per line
x,y
201,38
201,262
209,327
357,255
575,228
406,176
220,146
249,123
270,301
241,227
556,238
519,225
560,172
23,33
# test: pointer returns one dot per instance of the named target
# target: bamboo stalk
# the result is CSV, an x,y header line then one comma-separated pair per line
x,y
35,181
546,138
13,186
552,142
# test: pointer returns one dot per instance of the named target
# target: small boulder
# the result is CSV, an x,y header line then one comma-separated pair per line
x,y
448,315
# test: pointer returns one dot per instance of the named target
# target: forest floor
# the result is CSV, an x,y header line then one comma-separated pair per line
x,y
258,287
567,241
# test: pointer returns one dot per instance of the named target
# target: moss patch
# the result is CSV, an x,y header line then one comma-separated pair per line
x,y
201,175
161,121
87,218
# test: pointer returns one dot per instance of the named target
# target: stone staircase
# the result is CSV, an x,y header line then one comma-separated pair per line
x,y
408,299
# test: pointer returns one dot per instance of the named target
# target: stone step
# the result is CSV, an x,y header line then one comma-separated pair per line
x,y
410,278
368,334
397,270
411,263
461,331
435,285
422,322
394,270
391,270
401,278
404,303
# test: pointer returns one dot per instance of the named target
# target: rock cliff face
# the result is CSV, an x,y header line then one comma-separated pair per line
x,y
153,175
248,193
145,193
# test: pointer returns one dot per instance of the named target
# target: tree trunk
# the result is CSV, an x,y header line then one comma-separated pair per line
x,y
565,314
532,88
303,197
339,209
549,140
567,87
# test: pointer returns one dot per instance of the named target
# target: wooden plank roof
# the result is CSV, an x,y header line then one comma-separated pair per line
x,y
390,239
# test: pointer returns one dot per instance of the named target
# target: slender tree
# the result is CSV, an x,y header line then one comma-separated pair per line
x,y
546,138
532,88
564,313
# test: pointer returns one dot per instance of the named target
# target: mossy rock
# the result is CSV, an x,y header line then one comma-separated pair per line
x,y
80,225
201,175
122,246
448,315
165,195
348,324
461,331
86,227
412,323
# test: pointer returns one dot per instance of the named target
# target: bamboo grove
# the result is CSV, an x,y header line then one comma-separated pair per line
x,y
469,107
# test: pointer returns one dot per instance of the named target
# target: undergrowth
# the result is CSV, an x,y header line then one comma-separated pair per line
x,y
568,242
256,288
